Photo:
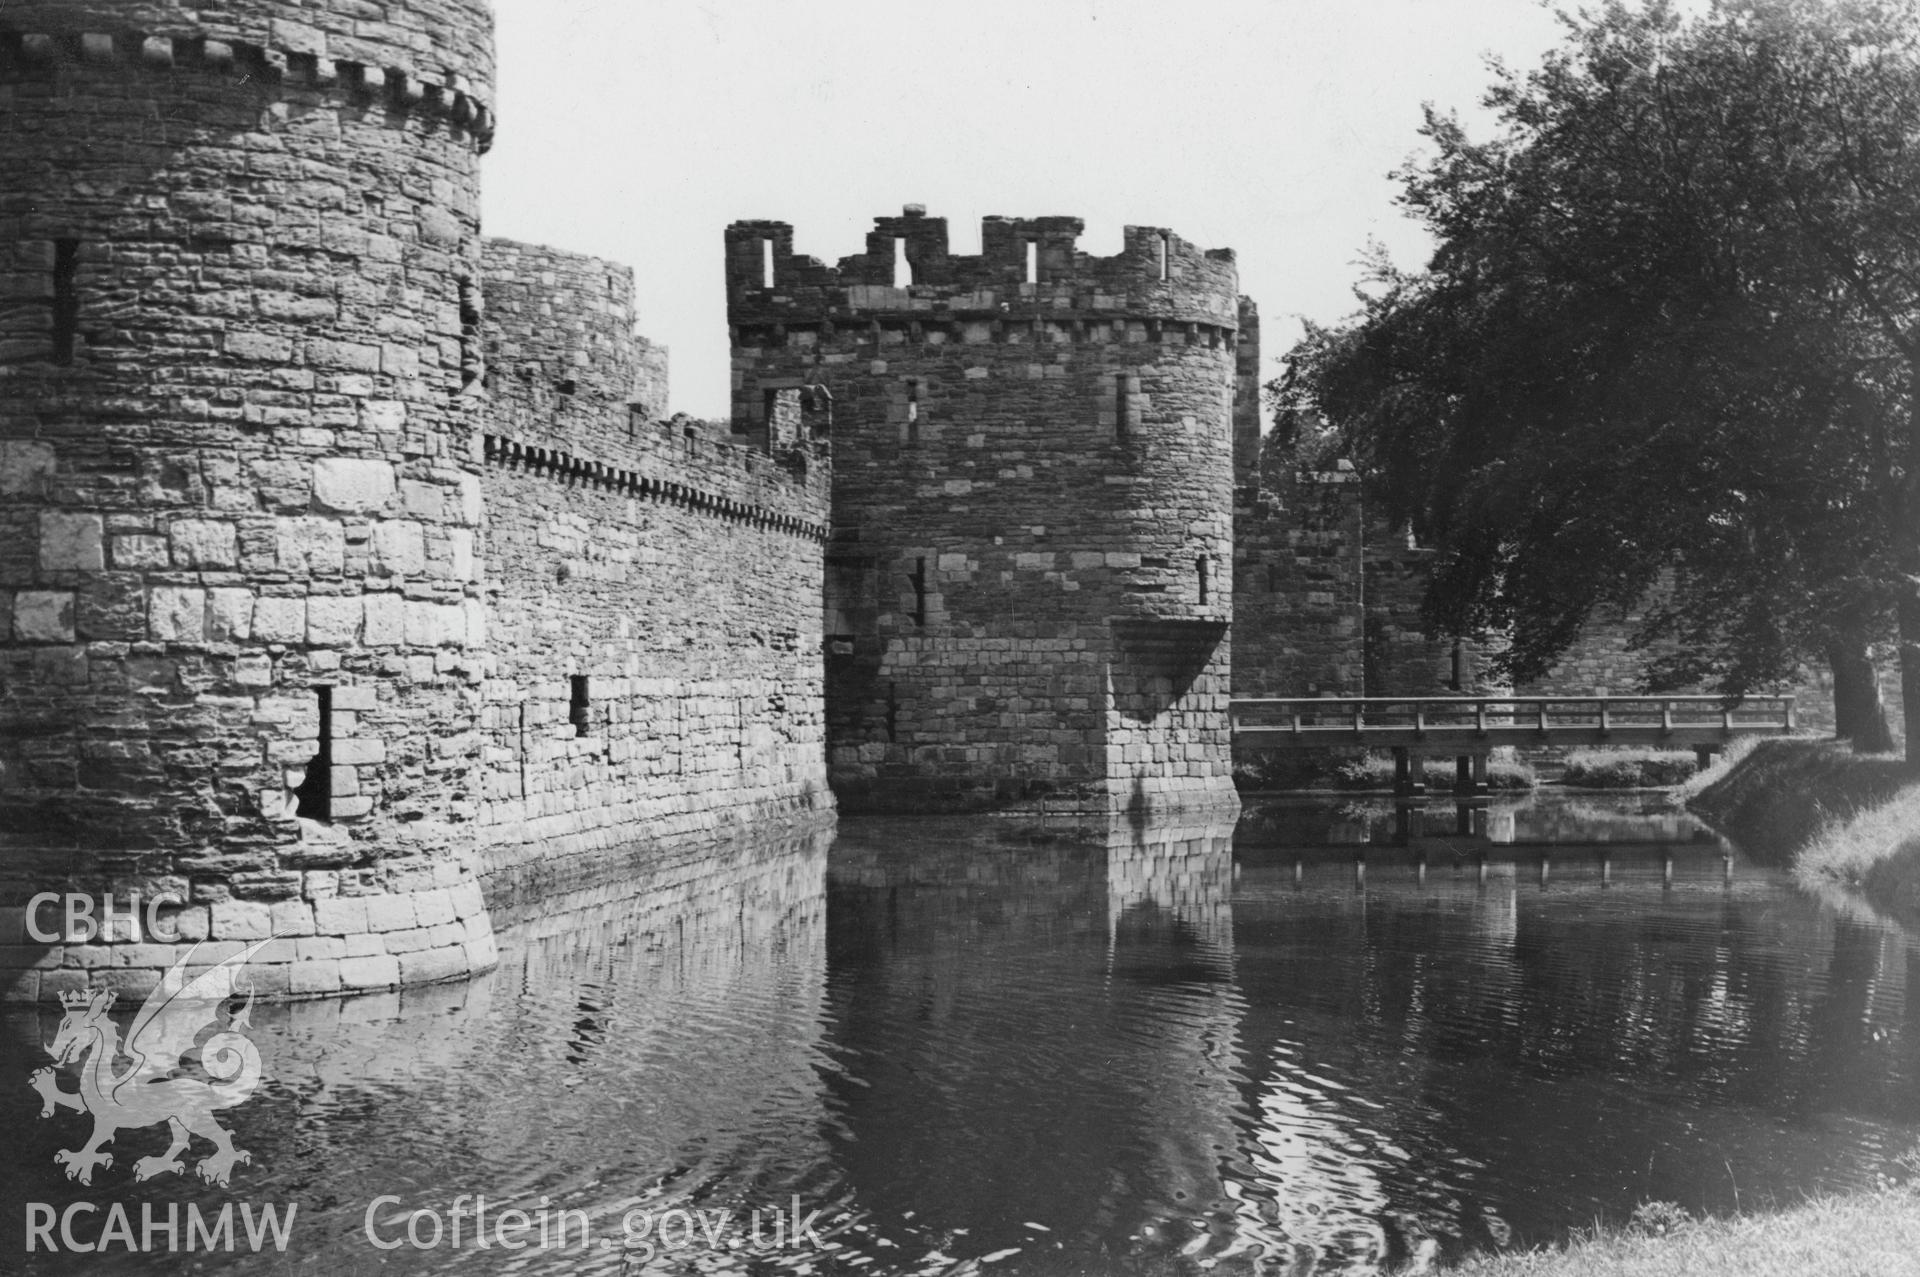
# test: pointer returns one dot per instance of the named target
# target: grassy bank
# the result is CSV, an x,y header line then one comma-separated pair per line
x,y
1869,1234
1627,768
1877,851
1778,796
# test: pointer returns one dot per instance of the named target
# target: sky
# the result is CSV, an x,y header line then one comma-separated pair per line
x,y
636,130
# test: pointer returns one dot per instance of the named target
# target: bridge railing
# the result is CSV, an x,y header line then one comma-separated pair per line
x,y
1356,716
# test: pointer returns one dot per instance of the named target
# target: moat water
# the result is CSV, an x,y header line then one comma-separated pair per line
x,y
1322,1042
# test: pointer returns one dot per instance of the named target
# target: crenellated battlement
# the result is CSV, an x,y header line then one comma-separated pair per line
x,y
395,71
682,466
1028,270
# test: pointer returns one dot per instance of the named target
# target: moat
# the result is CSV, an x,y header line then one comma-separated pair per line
x,y
1087,1050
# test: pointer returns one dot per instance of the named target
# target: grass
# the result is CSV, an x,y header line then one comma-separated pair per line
x,y
1780,795
1628,768
1876,850
1866,1234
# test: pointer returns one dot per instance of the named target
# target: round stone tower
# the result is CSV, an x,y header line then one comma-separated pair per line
x,y
1030,575
240,615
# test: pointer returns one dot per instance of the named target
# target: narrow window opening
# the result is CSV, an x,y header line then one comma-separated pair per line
x,y
1033,261
1204,566
766,263
902,268
1163,254
1273,579
579,707
66,298
314,797
1120,406
472,365
566,386
919,579
913,411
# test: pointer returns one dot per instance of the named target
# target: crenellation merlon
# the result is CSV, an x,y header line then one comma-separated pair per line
x,y
1028,267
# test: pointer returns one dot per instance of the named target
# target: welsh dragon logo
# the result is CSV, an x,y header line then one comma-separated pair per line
x,y
151,1088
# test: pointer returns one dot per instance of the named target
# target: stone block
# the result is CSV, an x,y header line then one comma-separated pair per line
x,y
461,542
422,500
470,500
315,948
429,965
341,915
138,550
433,624
383,414
204,543
43,616
241,920
400,547
352,808
291,917
71,542
390,913
193,923
466,899
25,465
230,616
354,485
309,546
349,356
333,620
433,907
268,348
279,620
373,972
315,977
386,621
177,614
408,941
363,945
146,955
359,750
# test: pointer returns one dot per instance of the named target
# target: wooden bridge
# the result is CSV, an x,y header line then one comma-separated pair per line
x,y
1471,727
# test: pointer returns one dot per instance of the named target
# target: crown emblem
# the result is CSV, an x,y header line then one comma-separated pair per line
x,y
79,999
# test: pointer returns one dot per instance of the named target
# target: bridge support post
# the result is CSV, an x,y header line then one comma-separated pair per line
x,y
1703,755
1409,776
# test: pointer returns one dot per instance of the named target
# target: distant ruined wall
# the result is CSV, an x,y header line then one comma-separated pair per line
x,y
241,633
1299,614
1328,596
1030,574
654,595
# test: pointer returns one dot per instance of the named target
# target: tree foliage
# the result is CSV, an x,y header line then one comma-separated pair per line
x,y
1669,333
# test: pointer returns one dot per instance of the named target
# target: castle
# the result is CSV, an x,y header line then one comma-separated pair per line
x,y
352,576
352,573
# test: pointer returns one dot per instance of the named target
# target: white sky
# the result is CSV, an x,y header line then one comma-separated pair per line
x,y
637,129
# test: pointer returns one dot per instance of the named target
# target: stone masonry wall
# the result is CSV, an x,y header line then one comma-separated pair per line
x,y
1299,623
238,260
1328,597
1029,578
654,594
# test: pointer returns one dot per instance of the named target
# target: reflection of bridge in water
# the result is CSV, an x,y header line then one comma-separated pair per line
x,y
1567,842
1469,728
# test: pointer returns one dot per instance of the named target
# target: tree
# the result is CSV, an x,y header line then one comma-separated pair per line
x,y
1670,331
